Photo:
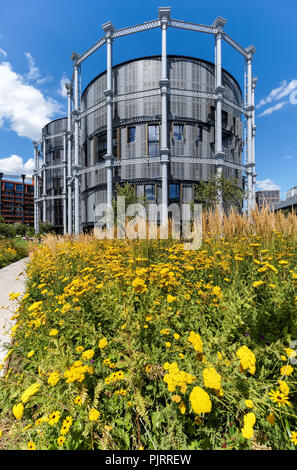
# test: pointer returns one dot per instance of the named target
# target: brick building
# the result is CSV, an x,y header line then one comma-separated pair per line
x,y
16,201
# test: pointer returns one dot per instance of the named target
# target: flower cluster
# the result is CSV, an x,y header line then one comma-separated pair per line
x,y
247,359
176,377
196,341
248,429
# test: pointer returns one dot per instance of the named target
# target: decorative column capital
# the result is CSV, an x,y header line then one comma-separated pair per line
x,y
108,95
75,56
250,108
108,29
109,159
219,23
69,89
76,114
250,51
164,15
164,155
219,156
219,91
164,84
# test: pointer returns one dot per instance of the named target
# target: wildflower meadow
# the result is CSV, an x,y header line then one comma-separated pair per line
x,y
140,344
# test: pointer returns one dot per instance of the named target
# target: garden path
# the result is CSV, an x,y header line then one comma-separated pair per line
x,y
12,279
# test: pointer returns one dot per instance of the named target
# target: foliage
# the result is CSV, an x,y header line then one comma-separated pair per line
x,y
208,192
124,344
10,251
44,227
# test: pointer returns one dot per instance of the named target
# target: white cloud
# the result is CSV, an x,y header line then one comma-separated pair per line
x,y
266,185
2,52
289,157
62,89
14,165
271,110
284,89
23,106
34,73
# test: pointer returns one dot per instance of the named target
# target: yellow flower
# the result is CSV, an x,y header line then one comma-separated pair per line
x,y
54,417
176,398
290,353
79,349
279,397
249,404
53,378
249,419
30,354
32,390
247,432
284,387
94,415
139,285
258,283
271,419
211,378
53,332
247,359
182,408
170,298
78,400
18,411
286,370
294,437
88,354
102,343
31,445
168,345
194,338
176,336
60,441
200,401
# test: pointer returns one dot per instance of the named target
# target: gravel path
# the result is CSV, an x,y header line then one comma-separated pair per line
x,y
12,279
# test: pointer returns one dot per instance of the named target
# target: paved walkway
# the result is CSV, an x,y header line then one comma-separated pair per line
x,y
12,279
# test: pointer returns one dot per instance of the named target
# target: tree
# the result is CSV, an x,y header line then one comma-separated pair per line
x,y
128,192
208,192
44,227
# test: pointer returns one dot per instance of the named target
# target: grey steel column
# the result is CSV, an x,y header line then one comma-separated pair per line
x,y
108,28
164,15
69,158
76,166
249,163
65,183
219,23
253,142
44,179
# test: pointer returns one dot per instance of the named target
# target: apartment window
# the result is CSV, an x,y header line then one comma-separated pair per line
x,y
199,134
212,115
150,192
174,191
224,119
102,145
153,140
114,143
178,131
131,134
8,186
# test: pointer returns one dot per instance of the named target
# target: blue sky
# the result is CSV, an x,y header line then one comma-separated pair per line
x,y
38,37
